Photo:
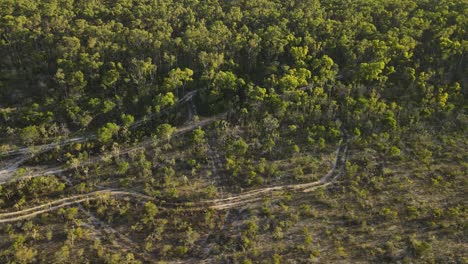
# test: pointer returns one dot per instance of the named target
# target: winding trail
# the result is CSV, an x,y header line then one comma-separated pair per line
x,y
101,229
216,204
325,180
51,208
11,168
7,173
73,200
46,147
43,148
117,239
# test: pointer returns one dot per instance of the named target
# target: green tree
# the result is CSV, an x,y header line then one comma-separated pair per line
x,y
151,210
106,132
29,134
177,78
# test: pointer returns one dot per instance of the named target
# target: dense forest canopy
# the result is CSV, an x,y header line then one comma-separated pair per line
x,y
81,63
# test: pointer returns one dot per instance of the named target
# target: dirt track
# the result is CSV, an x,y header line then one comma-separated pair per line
x,y
216,204
46,147
26,153
8,172
54,205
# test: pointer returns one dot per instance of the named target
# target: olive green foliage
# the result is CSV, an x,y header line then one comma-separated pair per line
x,y
106,132
75,61
250,103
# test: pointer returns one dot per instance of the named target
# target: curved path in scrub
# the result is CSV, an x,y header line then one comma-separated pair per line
x,y
46,147
8,172
258,194
100,230
216,204
11,167
75,199
34,150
